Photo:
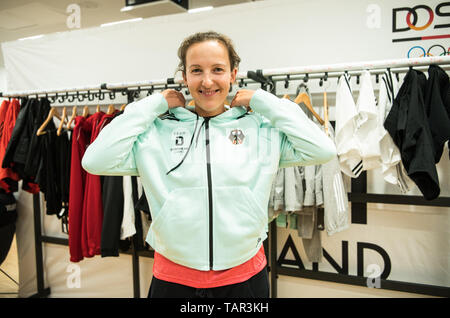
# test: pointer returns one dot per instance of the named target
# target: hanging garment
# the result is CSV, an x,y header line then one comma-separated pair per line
x,y
21,154
318,185
392,167
438,113
47,177
335,198
346,139
146,218
357,138
305,220
366,124
287,196
15,141
408,126
293,189
137,219
8,115
92,215
80,140
113,211
128,228
36,116
310,182
112,198
64,148
53,172
165,153
276,198
313,243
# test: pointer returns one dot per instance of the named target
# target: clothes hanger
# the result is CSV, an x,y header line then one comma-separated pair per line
x,y
286,96
303,97
111,109
72,118
122,108
98,108
51,113
191,103
61,124
85,111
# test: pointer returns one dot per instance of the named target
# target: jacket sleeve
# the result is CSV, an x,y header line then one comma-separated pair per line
x,y
302,142
112,152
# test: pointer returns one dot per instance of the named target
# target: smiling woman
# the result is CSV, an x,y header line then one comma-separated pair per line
x,y
207,171
209,63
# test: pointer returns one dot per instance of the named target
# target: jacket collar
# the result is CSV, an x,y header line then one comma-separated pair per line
x,y
188,113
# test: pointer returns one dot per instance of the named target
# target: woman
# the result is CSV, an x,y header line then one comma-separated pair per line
x,y
207,171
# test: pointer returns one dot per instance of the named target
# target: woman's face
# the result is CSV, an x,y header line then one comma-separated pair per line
x,y
208,76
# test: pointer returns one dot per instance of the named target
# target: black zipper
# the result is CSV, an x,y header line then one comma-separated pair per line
x,y
208,171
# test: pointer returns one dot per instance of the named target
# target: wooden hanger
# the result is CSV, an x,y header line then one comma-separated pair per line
x,y
122,108
286,96
98,109
72,118
326,85
51,113
61,124
304,98
191,103
325,111
85,111
111,109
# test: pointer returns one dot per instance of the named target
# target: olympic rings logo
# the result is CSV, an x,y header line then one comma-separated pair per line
x,y
428,52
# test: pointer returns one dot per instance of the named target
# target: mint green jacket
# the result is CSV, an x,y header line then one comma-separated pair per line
x,y
207,180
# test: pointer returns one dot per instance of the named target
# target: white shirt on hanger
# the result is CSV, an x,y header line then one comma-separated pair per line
x,y
346,142
391,162
128,229
367,123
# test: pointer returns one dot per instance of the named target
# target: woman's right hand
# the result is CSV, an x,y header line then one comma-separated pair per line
x,y
174,98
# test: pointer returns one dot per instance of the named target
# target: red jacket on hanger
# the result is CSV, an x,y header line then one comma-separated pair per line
x,y
93,205
8,115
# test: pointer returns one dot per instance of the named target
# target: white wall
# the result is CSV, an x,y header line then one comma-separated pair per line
x,y
2,79
267,34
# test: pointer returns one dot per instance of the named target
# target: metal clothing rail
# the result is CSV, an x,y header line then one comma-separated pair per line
x,y
249,75
358,195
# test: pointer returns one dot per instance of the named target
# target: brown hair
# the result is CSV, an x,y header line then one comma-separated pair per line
x,y
206,36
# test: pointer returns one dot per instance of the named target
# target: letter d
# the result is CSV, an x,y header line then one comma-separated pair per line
x,y
394,19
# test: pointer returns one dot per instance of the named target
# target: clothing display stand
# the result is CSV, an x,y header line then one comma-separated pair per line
x,y
267,79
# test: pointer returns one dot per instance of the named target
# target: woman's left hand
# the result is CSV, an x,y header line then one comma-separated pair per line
x,y
242,98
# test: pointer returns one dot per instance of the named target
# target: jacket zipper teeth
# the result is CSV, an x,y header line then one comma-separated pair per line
x,y
208,170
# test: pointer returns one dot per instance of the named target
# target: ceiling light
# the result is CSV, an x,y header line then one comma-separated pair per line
x,y
32,37
200,9
127,8
119,22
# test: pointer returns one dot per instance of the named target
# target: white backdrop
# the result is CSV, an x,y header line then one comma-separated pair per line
x,y
267,34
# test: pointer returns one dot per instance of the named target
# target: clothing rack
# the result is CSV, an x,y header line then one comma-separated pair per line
x,y
266,78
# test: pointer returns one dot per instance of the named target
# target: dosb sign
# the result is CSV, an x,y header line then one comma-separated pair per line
x,y
422,13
